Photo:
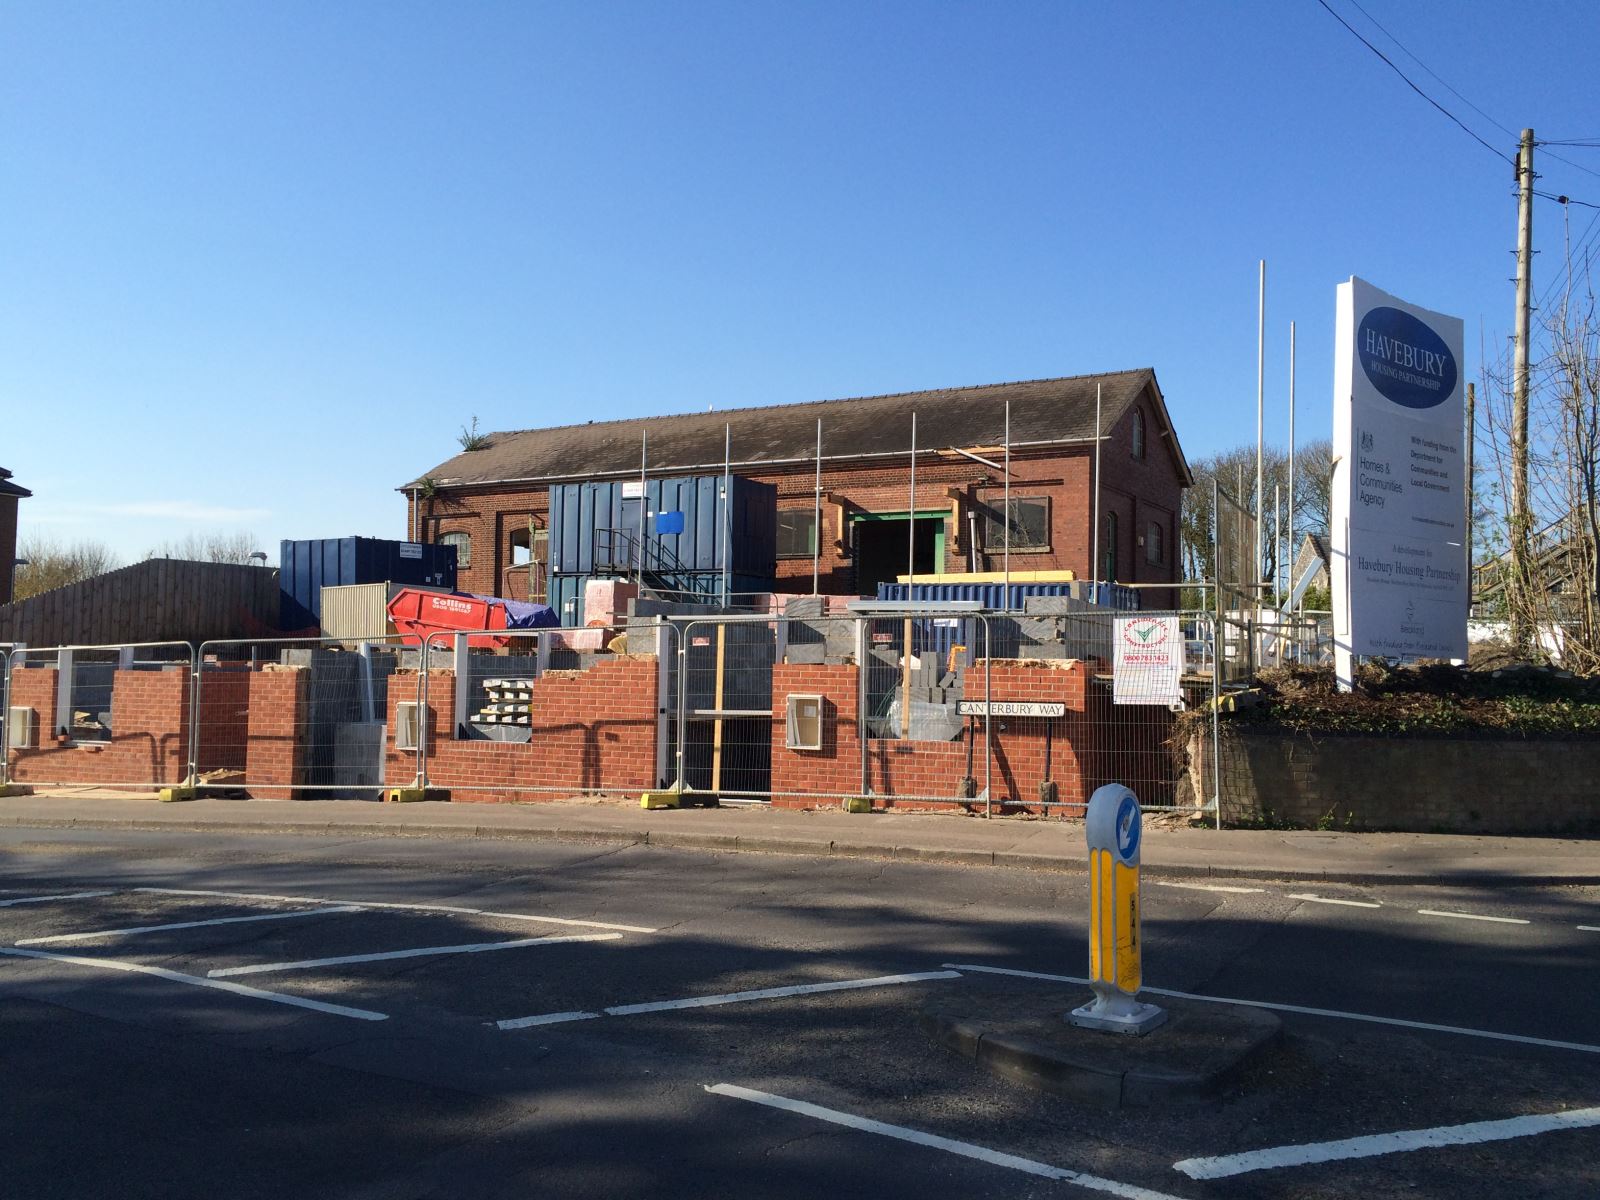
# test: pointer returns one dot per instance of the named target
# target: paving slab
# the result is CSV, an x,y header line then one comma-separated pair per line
x,y
954,839
1027,1040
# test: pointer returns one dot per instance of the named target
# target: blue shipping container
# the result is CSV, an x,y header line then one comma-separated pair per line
x,y
306,567
594,527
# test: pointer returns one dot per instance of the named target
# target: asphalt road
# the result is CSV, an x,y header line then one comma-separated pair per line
x,y
178,1041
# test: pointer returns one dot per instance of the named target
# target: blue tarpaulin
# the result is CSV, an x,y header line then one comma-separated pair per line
x,y
520,614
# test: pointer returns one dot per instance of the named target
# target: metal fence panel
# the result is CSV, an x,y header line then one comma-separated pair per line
x,y
551,711
284,717
100,716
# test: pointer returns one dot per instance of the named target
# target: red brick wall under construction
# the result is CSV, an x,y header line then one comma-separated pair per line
x,y
593,730
149,744
905,773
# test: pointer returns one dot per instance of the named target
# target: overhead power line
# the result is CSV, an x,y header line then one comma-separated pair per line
x,y
1407,50
1412,85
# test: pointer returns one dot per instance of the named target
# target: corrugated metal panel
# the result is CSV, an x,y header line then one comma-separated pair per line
x,y
306,567
993,595
593,526
356,612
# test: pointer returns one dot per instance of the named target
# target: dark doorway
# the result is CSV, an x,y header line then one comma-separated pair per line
x,y
881,550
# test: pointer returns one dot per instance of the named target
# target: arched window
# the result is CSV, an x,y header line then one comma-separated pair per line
x,y
1138,433
521,545
463,544
1108,550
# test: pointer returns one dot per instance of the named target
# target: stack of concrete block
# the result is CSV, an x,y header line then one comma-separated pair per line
x,y
813,636
510,703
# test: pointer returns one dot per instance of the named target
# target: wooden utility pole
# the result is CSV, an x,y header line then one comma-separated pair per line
x,y
1471,481
1521,513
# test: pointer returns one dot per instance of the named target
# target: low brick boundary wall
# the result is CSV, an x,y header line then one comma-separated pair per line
x,y
1406,785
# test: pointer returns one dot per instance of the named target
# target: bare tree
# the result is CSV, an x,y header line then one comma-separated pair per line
x,y
1556,597
1234,470
214,547
49,565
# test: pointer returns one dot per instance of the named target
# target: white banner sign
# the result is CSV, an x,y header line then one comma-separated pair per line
x,y
1147,661
1399,499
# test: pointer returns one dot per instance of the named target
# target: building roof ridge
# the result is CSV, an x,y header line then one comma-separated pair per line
x,y
748,408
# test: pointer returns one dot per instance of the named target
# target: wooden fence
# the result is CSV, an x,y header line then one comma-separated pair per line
x,y
159,600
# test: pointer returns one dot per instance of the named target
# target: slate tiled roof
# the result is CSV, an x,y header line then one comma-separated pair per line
x,y
7,488
1042,411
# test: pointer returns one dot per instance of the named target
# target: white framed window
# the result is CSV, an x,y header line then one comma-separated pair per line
x,y
805,723
406,725
1030,525
1155,550
797,533
463,544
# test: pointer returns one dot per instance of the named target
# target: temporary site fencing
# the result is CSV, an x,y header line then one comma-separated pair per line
x,y
911,707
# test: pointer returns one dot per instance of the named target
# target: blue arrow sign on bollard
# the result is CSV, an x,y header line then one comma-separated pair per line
x,y
1113,827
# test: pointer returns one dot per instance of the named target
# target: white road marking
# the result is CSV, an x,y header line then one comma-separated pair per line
x,y
776,993
446,908
1299,1008
799,989
545,1019
238,989
1590,928
46,899
1430,912
1203,887
932,1141
418,952
110,933
1387,1143
1309,898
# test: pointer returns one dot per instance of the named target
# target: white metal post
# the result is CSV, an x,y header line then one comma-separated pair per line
x,y
911,513
1094,566
1261,384
727,508
644,450
1290,555
64,674
1005,513
816,520
463,668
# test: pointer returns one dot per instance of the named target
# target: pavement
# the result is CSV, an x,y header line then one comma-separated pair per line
x,y
1170,849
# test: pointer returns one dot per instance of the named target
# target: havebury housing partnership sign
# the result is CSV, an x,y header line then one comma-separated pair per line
x,y
1399,491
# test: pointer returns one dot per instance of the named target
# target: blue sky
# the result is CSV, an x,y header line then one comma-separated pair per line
x,y
262,261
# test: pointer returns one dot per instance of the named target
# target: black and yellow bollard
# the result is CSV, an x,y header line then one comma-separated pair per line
x,y
1113,827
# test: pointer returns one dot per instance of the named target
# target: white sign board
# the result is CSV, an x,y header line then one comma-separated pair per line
x,y
1012,708
1399,497
1147,661
632,489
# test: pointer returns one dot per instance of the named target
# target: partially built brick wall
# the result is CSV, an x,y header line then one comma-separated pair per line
x,y
252,721
904,772
149,743
592,730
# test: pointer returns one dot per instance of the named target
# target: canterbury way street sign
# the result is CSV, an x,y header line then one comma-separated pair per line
x,y
1012,708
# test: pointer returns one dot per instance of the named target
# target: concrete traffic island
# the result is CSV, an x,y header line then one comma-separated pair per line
x,y
1198,1051
1114,1050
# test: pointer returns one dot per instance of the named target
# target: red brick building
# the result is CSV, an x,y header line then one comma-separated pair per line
x,y
492,502
10,493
